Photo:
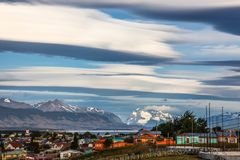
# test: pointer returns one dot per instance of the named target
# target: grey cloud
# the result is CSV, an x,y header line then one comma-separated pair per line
x,y
117,92
225,81
223,19
79,52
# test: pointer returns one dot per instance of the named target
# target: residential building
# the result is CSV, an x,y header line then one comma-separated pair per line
x,y
227,137
13,146
69,154
197,138
166,141
16,154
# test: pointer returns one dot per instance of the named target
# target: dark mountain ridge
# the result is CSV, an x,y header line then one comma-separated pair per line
x,y
76,119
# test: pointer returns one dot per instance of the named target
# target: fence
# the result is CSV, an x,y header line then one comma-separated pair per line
x,y
152,154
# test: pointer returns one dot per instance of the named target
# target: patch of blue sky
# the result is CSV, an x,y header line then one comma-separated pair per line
x,y
194,68
184,25
118,13
15,60
126,15
191,52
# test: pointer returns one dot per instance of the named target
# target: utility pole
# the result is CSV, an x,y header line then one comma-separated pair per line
x,y
156,129
223,137
238,133
192,133
206,134
209,116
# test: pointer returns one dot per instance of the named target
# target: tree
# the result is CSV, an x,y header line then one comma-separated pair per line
x,y
217,129
89,135
74,144
160,138
2,148
201,125
107,133
129,139
165,128
33,147
108,142
36,134
183,124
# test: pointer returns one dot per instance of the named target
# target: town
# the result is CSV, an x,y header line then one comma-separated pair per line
x,y
48,145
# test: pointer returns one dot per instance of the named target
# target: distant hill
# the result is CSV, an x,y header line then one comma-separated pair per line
x,y
56,115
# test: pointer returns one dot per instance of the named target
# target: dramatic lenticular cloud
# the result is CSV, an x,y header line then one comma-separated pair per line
x,y
223,15
84,27
133,78
121,55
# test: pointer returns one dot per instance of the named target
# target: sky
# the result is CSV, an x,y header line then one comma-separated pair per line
x,y
122,55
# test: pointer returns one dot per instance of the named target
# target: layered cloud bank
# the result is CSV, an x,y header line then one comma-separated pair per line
x,y
223,15
85,28
135,78
121,54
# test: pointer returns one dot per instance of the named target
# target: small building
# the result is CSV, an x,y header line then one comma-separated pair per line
x,y
197,138
145,136
99,145
148,138
61,146
13,146
16,154
86,140
227,137
117,143
166,141
69,154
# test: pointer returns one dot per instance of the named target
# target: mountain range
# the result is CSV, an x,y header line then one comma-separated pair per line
x,y
229,120
149,116
55,115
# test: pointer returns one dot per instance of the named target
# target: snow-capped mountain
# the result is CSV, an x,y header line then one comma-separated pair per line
x,y
149,116
55,106
58,106
9,103
55,114
230,120
93,109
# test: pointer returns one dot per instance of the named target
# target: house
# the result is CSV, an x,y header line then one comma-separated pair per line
x,y
61,146
69,154
197,138
27,133
13,146
42,156
166,141
99,145
144,132
16,154
85,140
86,148
227,137
117,143
145,136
